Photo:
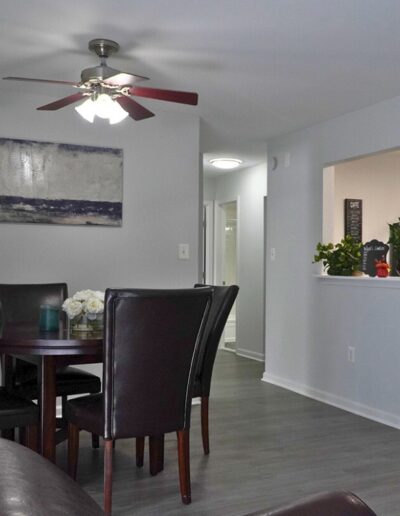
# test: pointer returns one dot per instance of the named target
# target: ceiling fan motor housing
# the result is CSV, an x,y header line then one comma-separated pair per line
x,y
103,47
97,73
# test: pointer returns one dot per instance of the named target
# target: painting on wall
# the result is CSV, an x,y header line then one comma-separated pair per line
x,y
58,183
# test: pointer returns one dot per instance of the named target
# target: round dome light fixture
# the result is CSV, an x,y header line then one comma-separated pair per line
x,y
226,163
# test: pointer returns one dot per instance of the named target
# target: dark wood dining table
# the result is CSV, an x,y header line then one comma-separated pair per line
x,y
49,351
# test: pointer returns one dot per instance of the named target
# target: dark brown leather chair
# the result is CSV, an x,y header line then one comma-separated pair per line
x,y
151,345
32,486
20,303
339,503
223,299
17,412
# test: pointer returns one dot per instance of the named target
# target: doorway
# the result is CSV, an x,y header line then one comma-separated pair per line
x,y
226,261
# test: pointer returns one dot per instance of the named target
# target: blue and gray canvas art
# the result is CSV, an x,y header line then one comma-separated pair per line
x,y
60,183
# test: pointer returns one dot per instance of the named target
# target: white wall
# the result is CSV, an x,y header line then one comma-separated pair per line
x,y
160,199
311,321
375,180
160,203
250,186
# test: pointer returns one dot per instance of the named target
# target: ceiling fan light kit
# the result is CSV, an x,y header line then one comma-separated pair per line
x,y
107,92
103,107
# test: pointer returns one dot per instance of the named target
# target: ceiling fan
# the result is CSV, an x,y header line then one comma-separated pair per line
x,y
107,92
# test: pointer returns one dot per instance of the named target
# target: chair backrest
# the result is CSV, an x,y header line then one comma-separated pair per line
x,y
151,344
223,299
21,303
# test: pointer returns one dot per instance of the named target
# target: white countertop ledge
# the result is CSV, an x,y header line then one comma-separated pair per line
x,y
359,281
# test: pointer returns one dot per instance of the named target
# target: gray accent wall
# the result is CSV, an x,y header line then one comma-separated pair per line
x,y
311,321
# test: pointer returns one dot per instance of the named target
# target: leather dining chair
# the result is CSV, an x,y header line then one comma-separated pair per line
x,y
223,299
151,345
17,412
20,303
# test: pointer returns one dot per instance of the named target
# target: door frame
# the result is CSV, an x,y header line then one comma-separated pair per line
x,y
208,243
217,280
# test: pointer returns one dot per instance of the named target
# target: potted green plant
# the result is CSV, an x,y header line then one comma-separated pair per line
x,y
394,241
342,259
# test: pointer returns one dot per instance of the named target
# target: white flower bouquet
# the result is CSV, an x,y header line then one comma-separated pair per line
x,y
84,307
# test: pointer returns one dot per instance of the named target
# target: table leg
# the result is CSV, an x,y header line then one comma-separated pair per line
x,y
48,408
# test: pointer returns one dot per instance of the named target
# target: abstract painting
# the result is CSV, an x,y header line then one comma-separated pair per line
x,y
58,183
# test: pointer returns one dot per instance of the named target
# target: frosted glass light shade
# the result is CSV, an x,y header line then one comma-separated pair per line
x,y
86,110
104,106
118,113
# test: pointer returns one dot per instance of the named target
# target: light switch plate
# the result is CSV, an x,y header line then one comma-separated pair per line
x,y
183,251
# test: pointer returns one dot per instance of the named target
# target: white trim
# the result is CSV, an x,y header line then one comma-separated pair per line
x,y
254,355
225,348
331,399
209,251
360,281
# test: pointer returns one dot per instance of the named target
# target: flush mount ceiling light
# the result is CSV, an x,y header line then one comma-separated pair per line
x,y
226,163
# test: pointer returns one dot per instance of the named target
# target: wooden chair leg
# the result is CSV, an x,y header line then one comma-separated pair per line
x,y
73,449
30,437
108,455
95,441
139,451
204,424
156,451
184,465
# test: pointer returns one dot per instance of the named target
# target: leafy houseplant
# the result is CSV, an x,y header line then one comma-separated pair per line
x,y
340,259
394,241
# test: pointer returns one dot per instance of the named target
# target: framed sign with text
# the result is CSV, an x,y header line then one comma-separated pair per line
x,y
353,218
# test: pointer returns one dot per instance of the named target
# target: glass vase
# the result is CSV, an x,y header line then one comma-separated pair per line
x,y
87,323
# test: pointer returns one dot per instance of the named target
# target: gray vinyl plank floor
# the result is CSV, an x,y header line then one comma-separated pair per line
x,y
268,446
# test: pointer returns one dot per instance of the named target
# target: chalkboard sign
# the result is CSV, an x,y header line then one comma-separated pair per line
x,y
353,218
370,252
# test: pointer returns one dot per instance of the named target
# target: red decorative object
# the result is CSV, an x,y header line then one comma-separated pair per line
x,y
382,268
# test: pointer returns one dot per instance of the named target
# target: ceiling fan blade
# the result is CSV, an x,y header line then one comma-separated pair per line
x,y
40,80
135,110
124,79
58,104
183,97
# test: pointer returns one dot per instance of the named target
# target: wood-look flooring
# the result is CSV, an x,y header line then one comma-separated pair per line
x,y
268,446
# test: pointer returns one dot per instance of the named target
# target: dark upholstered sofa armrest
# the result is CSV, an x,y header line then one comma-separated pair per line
x,y
341,503
30,484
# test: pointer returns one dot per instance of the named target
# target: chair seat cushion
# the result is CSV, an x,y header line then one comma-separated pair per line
x,y
69,381
16,411
87,412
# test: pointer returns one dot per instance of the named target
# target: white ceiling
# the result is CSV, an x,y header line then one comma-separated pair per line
x,y
261,67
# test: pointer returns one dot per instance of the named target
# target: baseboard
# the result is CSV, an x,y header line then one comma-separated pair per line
x,y
343,403
250,354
